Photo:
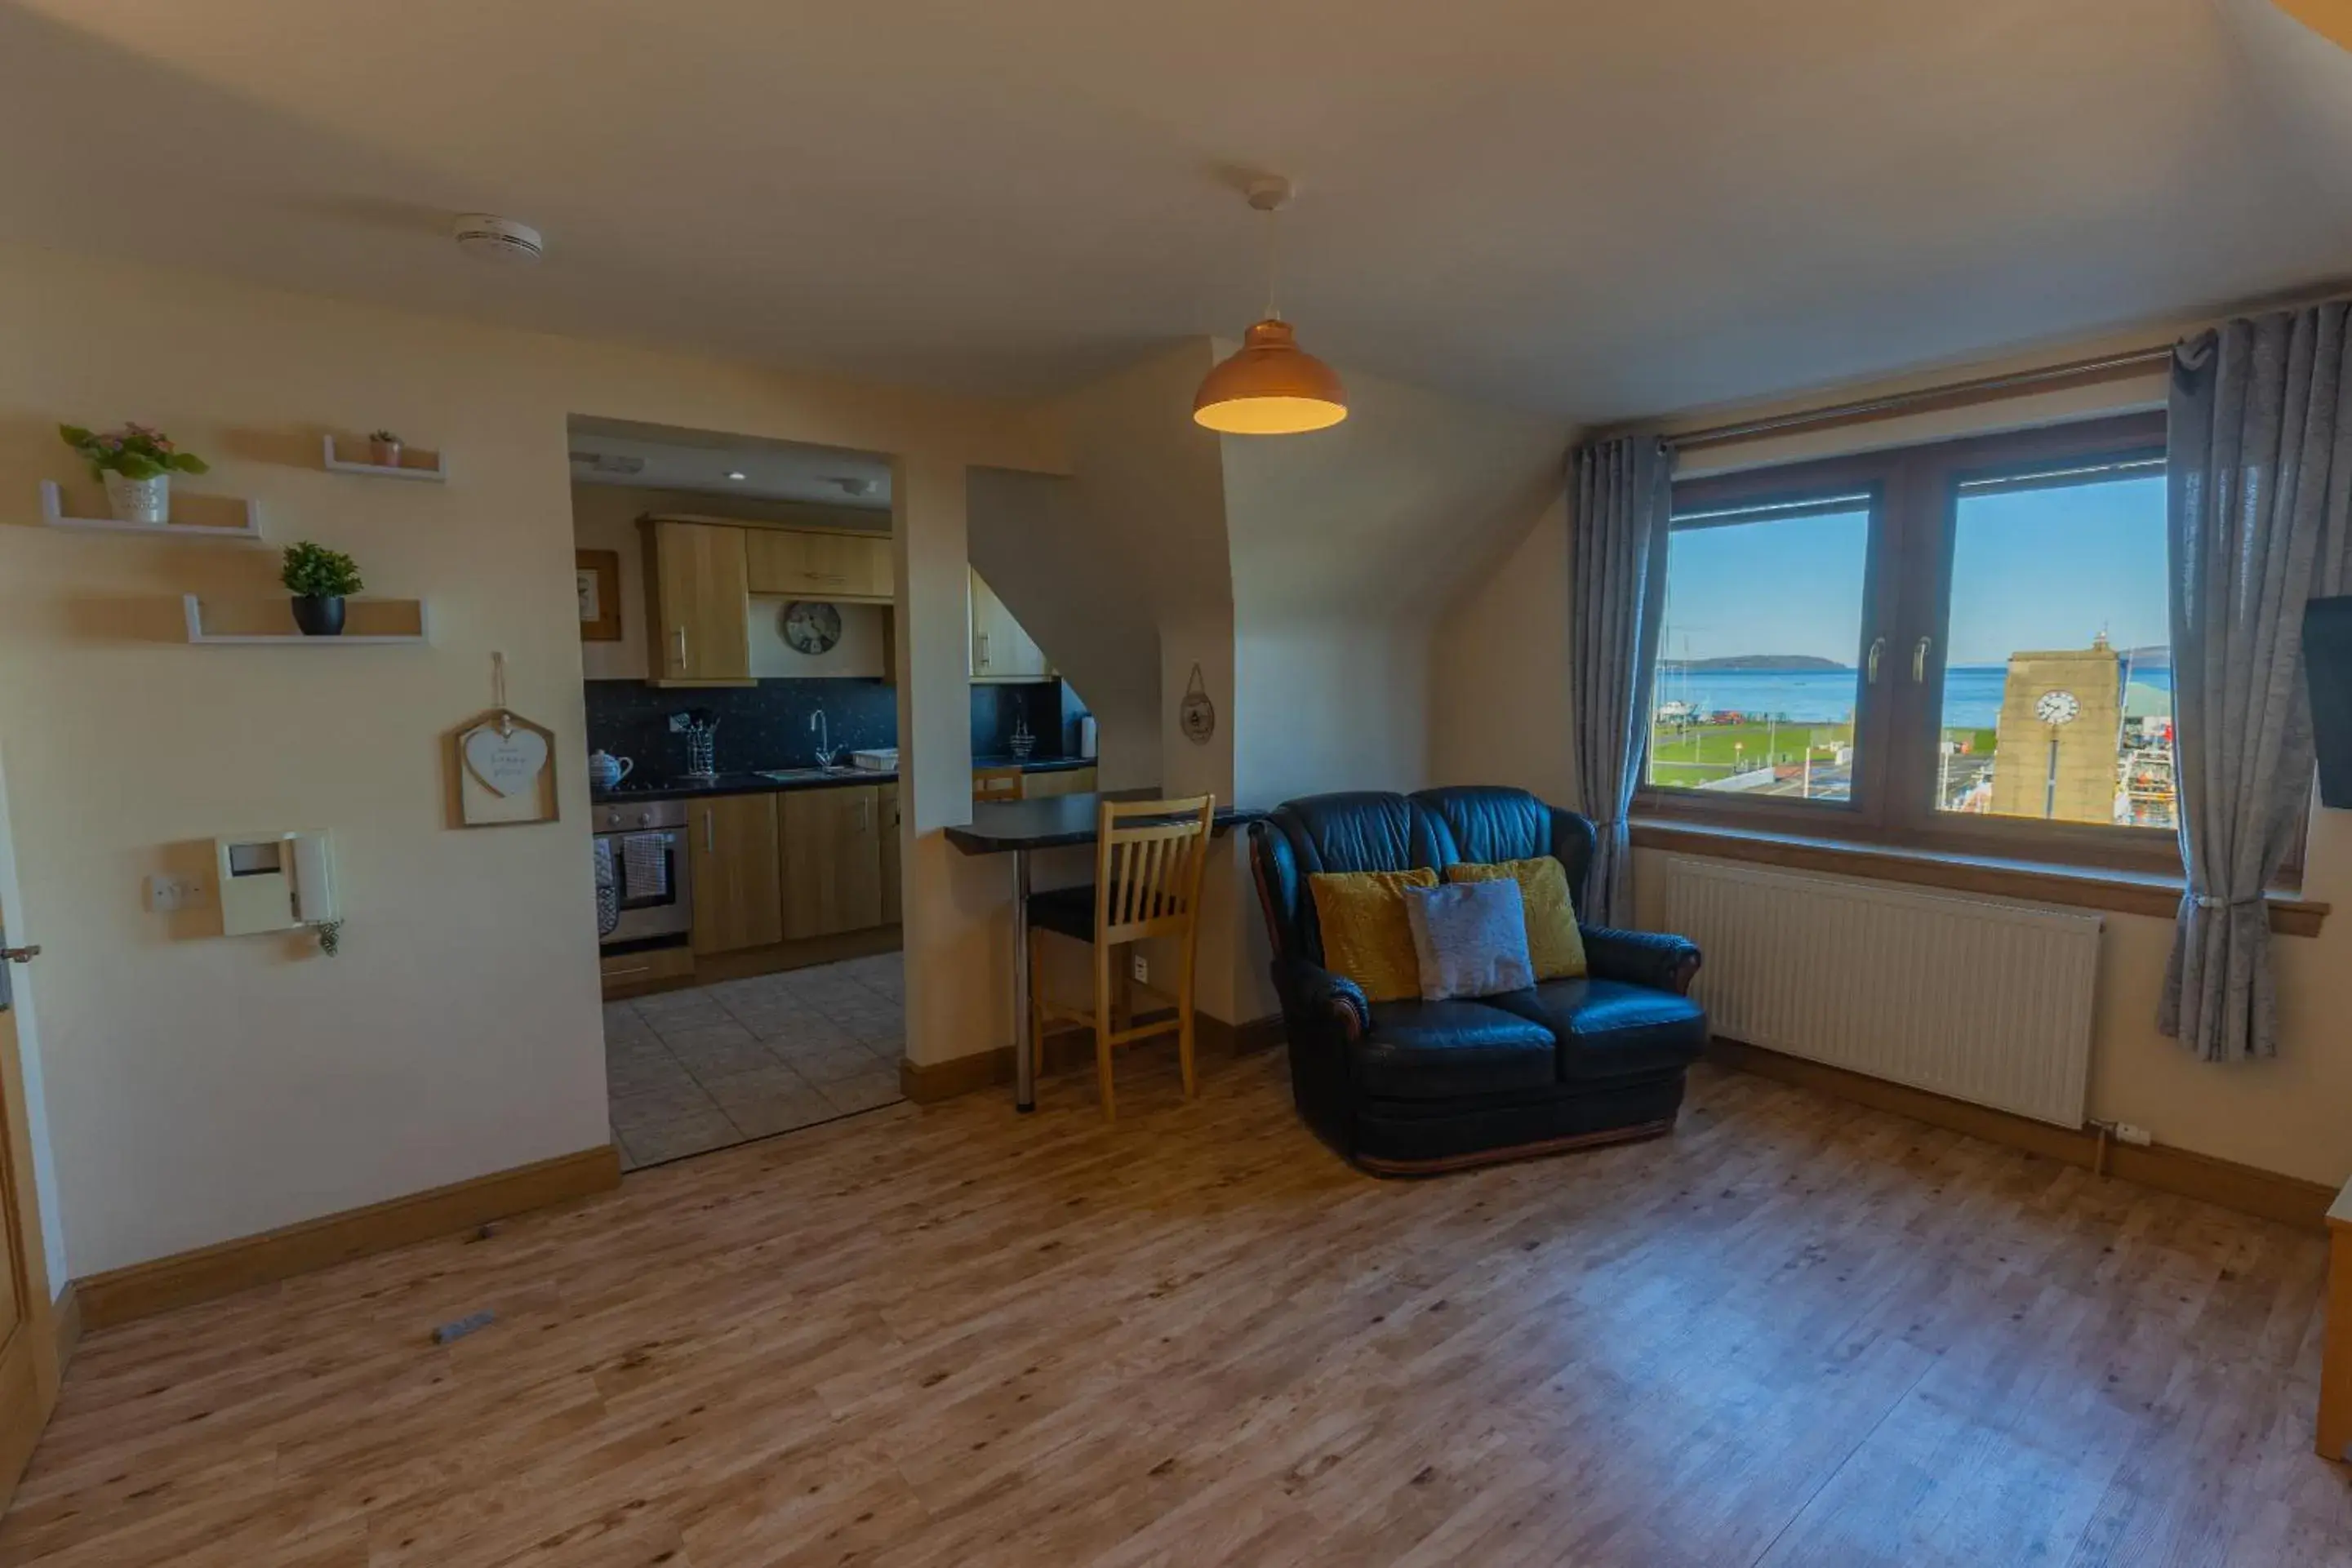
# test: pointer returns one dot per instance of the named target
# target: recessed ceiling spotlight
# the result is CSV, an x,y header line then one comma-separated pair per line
x,y
735,474
486,238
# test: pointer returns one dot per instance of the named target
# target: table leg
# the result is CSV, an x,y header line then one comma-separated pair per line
x,y
1024,1087
2336,1367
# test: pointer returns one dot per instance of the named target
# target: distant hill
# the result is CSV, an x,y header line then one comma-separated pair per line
x,y
1756,661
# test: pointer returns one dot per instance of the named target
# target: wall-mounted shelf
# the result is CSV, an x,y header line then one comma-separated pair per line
x,y
53,515
415,463
368,622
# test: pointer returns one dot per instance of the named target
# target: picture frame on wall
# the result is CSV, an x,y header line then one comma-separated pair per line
x,y
598,573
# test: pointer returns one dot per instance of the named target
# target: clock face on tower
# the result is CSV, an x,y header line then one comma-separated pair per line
x,y
2058,707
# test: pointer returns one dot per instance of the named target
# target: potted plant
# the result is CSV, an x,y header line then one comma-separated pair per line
x,y
319,580
383,449
136,465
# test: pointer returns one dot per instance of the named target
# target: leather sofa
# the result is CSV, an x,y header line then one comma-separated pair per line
x,y
1416,1087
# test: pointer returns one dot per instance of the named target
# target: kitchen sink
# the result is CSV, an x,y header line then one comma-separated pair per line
x,y
803,775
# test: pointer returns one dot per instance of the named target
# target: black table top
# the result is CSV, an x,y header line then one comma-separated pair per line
x,y
1056,822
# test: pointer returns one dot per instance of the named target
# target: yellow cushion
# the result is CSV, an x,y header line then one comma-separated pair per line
x,y
1553,941
1366,935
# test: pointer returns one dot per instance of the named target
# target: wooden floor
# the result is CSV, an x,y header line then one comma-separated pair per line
x,y
1795,1332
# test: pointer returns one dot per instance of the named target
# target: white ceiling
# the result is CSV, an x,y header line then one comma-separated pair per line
x,y
648,457
1597,210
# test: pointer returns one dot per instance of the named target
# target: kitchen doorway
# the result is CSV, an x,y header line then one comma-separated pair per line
x,y
738,613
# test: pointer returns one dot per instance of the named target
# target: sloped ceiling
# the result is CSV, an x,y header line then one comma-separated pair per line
x,y
1599,211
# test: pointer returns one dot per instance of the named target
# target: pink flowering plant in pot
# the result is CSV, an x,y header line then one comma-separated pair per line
x,y
136,463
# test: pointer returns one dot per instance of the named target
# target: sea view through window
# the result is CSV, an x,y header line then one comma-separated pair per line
x,y
2047,675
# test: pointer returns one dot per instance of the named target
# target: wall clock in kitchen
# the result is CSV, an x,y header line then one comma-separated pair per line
x,y
812,627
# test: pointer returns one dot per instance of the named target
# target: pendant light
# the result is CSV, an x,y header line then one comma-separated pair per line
x,y
1270,386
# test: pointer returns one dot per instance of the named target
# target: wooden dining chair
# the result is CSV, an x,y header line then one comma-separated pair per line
x,y
1149,858
996,783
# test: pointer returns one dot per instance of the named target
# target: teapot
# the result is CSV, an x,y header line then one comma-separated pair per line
x,y
606,770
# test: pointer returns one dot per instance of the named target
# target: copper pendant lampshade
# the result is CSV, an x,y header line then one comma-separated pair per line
x,y
1270,386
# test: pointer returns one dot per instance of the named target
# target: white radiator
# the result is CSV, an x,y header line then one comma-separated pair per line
x,y
1982,1001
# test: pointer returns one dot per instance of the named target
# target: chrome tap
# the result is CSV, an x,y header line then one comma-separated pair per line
x,y
825,750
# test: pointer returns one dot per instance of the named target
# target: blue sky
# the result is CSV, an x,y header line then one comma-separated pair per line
x,y
2032,569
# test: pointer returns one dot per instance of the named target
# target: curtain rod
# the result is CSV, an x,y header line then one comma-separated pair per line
x,y
1925,400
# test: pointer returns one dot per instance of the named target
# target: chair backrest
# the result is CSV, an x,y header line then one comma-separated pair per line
x,y
1374,832
1149,860
996,783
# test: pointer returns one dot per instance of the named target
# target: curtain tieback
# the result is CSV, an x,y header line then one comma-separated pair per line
x,y
2207,900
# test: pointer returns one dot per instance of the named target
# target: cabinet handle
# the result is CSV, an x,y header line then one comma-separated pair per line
x,y
983,650
624,974
1919,662
709,835
680,635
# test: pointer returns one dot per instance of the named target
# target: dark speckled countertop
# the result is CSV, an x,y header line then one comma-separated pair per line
x,y
749,783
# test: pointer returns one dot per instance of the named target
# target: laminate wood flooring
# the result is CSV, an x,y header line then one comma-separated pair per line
x,y
1793,1333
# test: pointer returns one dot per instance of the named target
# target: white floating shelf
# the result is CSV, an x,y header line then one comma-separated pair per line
x,y
390,612
53,515
433,473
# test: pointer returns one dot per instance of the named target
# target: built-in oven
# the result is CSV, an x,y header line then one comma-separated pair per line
x,y
644,876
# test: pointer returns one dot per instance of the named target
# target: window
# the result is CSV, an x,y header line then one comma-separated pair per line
x,y
1963,646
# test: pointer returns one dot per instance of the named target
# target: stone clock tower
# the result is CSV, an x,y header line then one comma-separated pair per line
x,y
2055,749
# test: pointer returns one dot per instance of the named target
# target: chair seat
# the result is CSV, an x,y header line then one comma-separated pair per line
x,y
1432,1050
1608,1029
1068,910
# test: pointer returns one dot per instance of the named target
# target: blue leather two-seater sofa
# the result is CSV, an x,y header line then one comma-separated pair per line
x,y
1407,1088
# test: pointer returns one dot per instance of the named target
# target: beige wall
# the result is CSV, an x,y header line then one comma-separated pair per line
x,y
202,1089
604,517
1500,702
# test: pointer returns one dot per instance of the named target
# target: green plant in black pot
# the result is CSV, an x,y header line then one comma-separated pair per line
x,y
319,580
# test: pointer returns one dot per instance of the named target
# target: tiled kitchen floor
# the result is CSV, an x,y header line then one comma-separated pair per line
x,y
699,1070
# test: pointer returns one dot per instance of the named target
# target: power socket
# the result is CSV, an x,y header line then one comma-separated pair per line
x,y
1141,967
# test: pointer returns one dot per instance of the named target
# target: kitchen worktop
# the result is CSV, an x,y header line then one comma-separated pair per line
x,y
752,783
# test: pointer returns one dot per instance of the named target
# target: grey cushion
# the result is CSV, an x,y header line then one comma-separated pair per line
x,y
1470,938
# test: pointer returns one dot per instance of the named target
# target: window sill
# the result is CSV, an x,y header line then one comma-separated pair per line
x,y
2084,887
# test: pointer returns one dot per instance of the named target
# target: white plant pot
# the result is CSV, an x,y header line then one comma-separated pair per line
x,y
140,500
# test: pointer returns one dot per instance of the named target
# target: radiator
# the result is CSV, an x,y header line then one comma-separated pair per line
x,y
1982,1001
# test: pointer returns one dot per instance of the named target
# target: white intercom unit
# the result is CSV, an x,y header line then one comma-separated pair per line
x,y
273,882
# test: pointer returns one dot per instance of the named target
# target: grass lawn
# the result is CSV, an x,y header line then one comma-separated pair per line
x,y
1702,752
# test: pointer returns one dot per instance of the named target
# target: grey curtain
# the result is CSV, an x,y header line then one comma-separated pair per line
x,y
2260,471
1620,497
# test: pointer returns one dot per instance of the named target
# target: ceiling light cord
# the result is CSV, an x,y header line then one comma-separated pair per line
x,y
1273,264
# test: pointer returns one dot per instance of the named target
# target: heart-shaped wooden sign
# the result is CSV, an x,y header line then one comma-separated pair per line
x,y
508,764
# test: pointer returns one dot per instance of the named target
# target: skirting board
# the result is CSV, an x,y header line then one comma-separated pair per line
x,y
927,1084
143,1290
65,1324
2290,1200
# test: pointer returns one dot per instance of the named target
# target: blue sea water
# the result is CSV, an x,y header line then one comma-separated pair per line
x,y
1971,693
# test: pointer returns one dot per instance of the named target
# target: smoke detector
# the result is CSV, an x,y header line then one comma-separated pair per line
x,y
609,462
486,237
856,485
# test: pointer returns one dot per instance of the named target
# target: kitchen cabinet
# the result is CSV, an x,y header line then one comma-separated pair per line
x,y
738,878
832,861
1001,650
850,568
699,590
885,798
1060,781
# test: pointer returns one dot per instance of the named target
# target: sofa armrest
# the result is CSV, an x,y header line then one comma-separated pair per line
x,y
1650,959
1316,995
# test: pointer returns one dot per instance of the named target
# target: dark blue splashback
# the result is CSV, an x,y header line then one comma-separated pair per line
x,y
996,708
766,725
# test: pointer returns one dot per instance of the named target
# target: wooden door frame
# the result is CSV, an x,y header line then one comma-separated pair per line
x,y
35,1363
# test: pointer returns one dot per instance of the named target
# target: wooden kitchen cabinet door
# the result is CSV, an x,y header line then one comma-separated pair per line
x,y
702,605
738,895
832,861
1001,650
802,565
887,809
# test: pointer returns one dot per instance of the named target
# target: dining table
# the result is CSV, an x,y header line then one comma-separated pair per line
x,y
1020,829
